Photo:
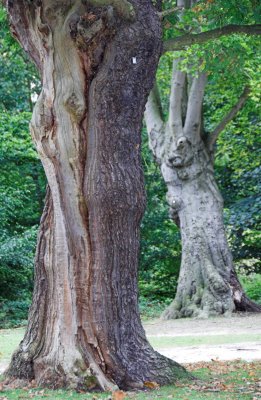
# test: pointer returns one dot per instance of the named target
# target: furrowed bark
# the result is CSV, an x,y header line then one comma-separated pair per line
x,y
97,69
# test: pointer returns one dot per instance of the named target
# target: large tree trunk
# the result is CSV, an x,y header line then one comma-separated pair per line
x,y
204,286
207,284
97,66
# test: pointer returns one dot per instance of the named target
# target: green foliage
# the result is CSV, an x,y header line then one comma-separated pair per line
x,y
252,286
238,173
19,78
22,186
16,265
152,308
14,313
22,182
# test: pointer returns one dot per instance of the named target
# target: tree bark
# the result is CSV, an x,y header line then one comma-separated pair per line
x,y
203,287
207,284
97,67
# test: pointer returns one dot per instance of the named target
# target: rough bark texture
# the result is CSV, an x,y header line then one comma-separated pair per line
x,y
207,284
97,68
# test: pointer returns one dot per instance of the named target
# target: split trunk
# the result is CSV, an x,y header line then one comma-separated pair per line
x,y
97,64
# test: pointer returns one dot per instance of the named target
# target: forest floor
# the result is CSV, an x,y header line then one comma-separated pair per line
x,y
194,340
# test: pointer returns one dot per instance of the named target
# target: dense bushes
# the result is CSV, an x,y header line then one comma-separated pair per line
x,y
252,285
160,238
22,187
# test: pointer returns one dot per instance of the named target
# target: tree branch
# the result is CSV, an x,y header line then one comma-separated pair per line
x,y
181,42
193,117
154,122
123,7
170,11
175,104
212,138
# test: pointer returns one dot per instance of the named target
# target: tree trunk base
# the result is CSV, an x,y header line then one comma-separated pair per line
x,y
156,368
195,308
193,311
242,302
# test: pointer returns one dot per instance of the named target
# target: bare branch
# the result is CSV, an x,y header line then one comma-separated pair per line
x,y
153,112
170,11
181,42
196,95
154,121
176,95
123,7
212,138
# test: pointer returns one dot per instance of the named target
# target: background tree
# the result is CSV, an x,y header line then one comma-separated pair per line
x,y
207,283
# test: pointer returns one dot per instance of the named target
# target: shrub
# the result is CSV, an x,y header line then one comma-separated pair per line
x,y
13,313
252,286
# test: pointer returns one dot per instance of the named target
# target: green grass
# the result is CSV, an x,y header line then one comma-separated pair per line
x,y
216,380
151,309
181,341
9,340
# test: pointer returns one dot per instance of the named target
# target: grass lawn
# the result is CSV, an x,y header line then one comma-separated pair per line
x,y
9,340
182,341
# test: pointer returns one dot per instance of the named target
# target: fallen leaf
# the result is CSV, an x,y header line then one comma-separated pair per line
x,y
118,395
151,385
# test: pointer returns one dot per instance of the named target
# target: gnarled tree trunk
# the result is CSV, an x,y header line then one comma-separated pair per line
x,y
97,60
207,284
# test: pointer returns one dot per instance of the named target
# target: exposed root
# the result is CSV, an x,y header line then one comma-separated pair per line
x,y
242,302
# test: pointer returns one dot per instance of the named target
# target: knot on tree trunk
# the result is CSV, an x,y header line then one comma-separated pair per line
x,y
89,29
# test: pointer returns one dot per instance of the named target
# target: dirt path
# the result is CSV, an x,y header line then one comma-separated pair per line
x,y
188,340
191,340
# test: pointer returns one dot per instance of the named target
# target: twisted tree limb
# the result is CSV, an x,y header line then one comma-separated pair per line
x,y
181,42
212,138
